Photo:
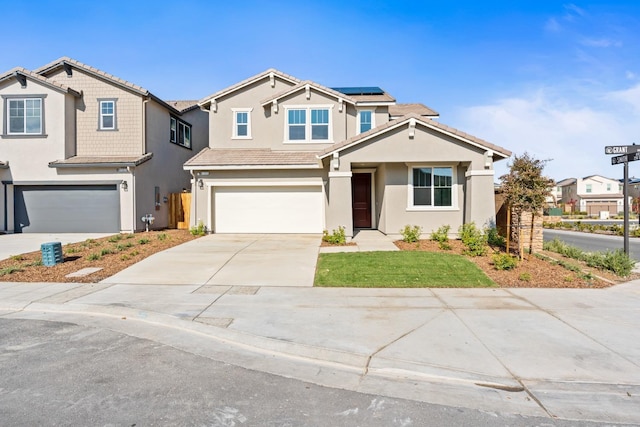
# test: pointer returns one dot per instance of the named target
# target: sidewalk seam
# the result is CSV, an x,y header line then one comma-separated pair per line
x,y
228,261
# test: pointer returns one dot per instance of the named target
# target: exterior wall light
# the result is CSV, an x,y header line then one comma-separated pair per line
x,y
124,186
200,184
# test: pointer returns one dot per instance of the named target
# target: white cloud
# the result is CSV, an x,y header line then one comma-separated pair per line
x,y
552,25
601,43
573,11
548,127
631,75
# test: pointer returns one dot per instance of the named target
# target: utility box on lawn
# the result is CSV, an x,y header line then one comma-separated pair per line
x,y
51,253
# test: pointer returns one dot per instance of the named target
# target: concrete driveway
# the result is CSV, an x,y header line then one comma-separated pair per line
x,y
20,243
230,259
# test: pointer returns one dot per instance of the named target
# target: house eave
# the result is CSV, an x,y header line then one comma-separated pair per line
x,y
250,167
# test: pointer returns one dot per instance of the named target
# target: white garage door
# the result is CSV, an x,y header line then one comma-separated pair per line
x,y
268,209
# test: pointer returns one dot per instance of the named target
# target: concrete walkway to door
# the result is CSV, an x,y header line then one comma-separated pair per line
x,y
230,259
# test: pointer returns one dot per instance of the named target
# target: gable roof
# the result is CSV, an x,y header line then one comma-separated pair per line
x,y
15,72
399,110
239,157
65,60
267,73
432,124
565,182
183,106
309,84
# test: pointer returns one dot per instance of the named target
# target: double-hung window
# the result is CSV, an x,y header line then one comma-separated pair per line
x,y
24,116
306,124
179,132
241,123
431,187
107,114
365,120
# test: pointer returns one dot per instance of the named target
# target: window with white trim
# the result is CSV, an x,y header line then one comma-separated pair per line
x,y
431,187
107,114
179,132
365,120
305,124
24,116
242,123
589,188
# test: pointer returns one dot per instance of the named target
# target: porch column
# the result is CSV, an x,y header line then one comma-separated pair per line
x,y
339,210
480,198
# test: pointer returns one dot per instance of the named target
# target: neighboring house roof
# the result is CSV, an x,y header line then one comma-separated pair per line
x,y
66,61
183,106
399,110
4,164
309,84
462,136
565,182
100,161
267,73
233,158
598,176
366,94
19,71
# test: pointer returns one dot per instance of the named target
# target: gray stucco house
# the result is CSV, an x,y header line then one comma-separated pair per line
x,y
292,156
83,150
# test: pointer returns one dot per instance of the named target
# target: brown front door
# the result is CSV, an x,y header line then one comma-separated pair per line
x,y
361,193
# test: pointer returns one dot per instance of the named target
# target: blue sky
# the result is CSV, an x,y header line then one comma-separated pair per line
x,y
557,79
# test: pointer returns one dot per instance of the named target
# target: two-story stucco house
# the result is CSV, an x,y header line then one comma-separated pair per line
x,y
292,156
82,150
592,194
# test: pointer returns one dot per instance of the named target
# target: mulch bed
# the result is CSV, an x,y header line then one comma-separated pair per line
x,y
126,250
531,272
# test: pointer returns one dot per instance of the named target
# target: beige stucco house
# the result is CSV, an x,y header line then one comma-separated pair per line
x,y
82,150
292,156
592,194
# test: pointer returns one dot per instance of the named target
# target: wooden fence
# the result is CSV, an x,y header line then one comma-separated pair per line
x,y
179,210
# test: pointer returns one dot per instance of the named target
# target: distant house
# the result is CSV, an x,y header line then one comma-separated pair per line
x,y
592,194
293,156
85,151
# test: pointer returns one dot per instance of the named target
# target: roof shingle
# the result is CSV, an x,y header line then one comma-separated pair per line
x,y
252,157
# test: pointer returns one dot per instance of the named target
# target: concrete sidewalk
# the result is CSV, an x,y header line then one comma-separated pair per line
x,y
20,243
572,354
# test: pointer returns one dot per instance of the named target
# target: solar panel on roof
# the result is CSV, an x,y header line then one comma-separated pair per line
x,y
361,90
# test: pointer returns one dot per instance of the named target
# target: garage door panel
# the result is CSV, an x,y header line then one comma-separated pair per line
x,y
64,208
268,209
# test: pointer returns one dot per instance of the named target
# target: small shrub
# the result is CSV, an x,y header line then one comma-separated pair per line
x,y
17,258
441,234
35,263
411,234
616,261
9,270
93,257
568,279
129,236
124,257
71,250
90,241
525,277
143,241
337,237
163,236
134,253
473,239
494,238
115,238
105,251
198,230
504,262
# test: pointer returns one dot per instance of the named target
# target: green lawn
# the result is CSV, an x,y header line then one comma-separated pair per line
x,y
398,270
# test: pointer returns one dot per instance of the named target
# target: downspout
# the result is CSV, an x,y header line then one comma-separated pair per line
x,y
144,126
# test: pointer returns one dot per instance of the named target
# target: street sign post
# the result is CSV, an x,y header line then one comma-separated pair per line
x,y
628,153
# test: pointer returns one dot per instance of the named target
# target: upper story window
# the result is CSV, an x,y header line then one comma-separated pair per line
x,y
25,116
608,187
589,188
107,114
179,132
431,187
365,120
308,124
242,123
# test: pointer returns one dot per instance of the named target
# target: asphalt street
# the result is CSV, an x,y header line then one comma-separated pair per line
x,y
56,373
594,242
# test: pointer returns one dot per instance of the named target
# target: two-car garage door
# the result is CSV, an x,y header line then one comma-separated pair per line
x,y
66,208
273,209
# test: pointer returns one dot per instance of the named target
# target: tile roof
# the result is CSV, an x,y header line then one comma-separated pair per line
x,y
30,74
252,157
503,152
95,161
183,106
400,110
303,85
92,70
385,97
246,82
566,181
